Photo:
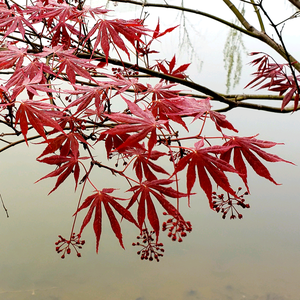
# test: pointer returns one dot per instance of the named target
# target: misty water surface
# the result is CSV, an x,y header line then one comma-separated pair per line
x,y
254,258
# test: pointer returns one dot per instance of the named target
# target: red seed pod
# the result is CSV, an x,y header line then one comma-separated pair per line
x,y
183,234
78,254
68,251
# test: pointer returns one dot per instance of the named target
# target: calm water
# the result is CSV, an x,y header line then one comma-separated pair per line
x,y
253,258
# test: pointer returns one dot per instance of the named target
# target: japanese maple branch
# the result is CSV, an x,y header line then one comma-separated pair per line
x,y
25,36
260,107
234,97
233,102
194,86
197,87
19,142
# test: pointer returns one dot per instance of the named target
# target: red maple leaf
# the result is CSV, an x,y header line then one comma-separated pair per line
x,y
144,123
167,108
94,202
275,78
99,92
67,144
37,115
109,32
143,194
198,108
247,147
178,72
13,56
66,166
31,86
58,15
113,141
143,164
161,90
200,159
35,71
12,19
94,94
145,49
74,66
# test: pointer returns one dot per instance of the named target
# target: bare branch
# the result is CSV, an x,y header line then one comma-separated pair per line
x,y
4,206
249,30
296,3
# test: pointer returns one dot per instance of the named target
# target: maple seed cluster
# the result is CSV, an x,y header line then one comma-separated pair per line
x,y
177,228
150,249
124,72
230,204
64,246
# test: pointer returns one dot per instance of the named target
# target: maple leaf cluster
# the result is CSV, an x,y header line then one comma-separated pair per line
x,y
276,78
69,87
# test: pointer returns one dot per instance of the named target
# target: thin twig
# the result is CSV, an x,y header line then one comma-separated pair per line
x,y
279,34
4,206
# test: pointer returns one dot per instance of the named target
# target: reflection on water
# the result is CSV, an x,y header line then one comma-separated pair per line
x,y
255,258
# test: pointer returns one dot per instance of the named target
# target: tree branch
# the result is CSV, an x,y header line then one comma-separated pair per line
x,y
190,10
262,36
296,3
249,29
261,23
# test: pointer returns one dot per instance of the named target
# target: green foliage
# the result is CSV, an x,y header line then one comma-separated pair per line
x,y
233,50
